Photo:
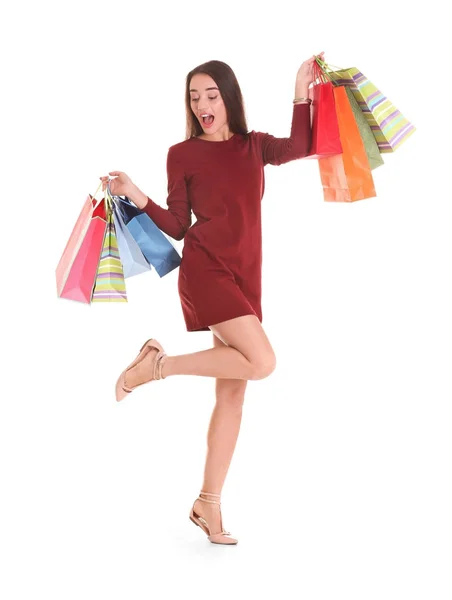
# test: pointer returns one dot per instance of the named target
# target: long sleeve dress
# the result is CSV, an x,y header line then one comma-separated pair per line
x,y
223,183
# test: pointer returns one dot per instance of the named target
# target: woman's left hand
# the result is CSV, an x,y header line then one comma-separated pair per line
x,y
306,72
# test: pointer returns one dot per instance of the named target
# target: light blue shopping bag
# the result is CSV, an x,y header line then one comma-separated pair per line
x,y
154,245
133,260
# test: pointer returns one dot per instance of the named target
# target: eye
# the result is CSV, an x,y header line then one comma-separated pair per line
x,y
196,99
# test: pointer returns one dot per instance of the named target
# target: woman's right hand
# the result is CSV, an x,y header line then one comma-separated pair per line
x,y
121,185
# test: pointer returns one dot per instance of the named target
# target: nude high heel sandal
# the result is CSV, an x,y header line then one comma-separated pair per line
x,y
121,388
215,538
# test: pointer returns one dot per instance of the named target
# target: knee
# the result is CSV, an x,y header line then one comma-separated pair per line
x,y
263,367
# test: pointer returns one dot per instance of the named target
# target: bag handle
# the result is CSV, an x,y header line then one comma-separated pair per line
x,y
325,65
318,75
323,68
112,198
98,201
109,199
327,70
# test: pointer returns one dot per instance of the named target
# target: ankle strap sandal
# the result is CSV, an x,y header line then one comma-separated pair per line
x,y
216,538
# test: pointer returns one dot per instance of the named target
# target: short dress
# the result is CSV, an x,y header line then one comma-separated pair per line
x,y
222,184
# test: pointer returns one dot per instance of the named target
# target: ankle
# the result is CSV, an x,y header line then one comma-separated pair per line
x,y
212,497
167,367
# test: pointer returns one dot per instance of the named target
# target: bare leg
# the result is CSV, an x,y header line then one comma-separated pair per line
x,y
223,429
248,355
221,441
242,352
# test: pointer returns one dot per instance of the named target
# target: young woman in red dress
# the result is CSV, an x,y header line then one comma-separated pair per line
x,y
217,173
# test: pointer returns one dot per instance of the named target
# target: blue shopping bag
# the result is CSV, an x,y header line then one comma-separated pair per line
x,y
154,245
133,260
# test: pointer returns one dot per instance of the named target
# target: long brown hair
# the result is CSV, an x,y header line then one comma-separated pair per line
x,y
231,94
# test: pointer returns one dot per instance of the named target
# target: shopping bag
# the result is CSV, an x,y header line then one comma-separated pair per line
x,y
133,260
369,141
77,268
387,123
325,139
346,177
157,249
110,285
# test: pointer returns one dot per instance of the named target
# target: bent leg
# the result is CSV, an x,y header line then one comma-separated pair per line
x,y
246,353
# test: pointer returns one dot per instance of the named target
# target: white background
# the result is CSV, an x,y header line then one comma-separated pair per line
x,y
340,486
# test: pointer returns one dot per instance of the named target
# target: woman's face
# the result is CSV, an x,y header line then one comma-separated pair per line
x,y
206,99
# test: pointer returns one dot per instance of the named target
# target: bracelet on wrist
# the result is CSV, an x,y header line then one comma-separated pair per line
x,y
303,100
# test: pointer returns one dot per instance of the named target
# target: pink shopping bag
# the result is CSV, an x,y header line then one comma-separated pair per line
x,y
77,268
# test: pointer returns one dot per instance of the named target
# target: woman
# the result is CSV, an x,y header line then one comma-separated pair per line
x,y
218,173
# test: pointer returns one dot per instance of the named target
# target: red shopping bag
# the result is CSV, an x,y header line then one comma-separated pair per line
x,y
325,136
77,268
347,177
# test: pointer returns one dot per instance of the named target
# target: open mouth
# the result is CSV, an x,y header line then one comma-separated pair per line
x,y
207,121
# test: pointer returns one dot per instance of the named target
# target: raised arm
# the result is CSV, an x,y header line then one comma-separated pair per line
x,y
176,219
276,151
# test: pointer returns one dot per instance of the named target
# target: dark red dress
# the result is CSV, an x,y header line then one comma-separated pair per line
x,y
223,184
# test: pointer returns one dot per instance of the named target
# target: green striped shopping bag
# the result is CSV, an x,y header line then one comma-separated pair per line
x,y
110,284
389,126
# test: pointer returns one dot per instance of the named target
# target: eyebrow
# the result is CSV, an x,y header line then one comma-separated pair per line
x,y
211,88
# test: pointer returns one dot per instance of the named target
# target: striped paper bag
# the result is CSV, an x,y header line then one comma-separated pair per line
x,y
110,284
387,123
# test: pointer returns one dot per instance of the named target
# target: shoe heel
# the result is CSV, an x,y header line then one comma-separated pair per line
x,y
145,344
193,521
152,343
121,390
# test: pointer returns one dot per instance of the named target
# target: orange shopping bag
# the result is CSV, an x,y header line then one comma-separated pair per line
x,y
346,177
